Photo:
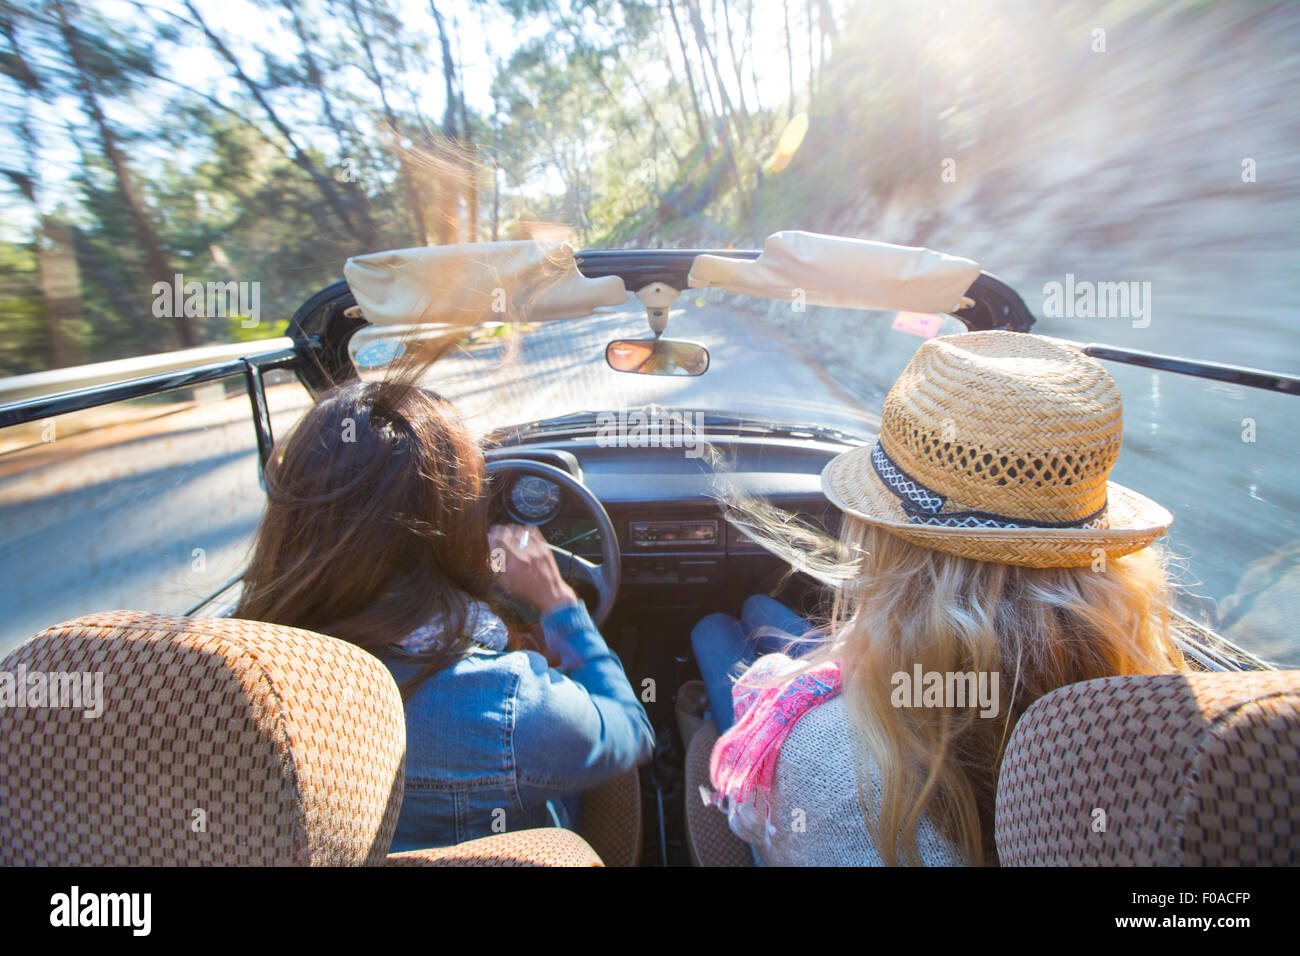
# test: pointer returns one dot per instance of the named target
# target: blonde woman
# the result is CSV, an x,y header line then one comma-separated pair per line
x,y
993,561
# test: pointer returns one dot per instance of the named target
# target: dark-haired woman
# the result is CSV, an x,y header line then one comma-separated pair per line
x,y
376,532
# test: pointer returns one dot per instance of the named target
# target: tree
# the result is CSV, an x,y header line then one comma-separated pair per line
x,y
95,66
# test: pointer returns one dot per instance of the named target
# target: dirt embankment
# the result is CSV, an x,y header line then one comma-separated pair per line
x,y
1170,158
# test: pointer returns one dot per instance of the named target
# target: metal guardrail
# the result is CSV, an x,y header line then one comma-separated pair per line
x,y
88,386
21,388
158,373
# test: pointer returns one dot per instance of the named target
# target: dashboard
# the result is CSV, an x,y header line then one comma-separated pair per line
x,y
667,508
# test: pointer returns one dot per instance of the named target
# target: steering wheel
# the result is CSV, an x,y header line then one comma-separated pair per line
x,y
603,577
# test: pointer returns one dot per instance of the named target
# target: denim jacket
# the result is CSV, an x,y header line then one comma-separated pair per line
x,y
492,738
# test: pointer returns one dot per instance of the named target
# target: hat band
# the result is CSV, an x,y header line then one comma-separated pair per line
x,y
924,505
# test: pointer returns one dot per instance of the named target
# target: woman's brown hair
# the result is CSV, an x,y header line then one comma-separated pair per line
x,y
376,523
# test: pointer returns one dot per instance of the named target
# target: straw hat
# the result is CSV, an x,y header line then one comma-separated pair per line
x,y
997,446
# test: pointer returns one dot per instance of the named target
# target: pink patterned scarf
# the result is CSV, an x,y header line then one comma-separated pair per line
x,y
744,758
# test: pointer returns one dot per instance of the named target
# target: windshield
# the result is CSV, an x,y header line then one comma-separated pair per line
x,y
762,366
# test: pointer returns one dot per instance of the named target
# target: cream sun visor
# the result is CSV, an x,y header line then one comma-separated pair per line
x,y
477,282
845,273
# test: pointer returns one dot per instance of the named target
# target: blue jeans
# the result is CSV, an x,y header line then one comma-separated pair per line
x,y
725,647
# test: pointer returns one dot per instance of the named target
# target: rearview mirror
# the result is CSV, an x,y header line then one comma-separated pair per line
x,y
657,357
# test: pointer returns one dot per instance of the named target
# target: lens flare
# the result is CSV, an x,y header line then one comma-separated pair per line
x,y
790,141
793,134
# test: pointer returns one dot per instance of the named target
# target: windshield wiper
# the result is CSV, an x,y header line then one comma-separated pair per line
x,y
739,424
579,423
564,423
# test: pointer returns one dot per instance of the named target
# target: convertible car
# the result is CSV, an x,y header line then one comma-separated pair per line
x,y
626,400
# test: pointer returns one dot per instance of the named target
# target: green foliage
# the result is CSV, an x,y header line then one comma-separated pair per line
x,y
237,332
22,329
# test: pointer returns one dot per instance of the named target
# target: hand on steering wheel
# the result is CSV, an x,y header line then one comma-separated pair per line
x,y
526,568
603,577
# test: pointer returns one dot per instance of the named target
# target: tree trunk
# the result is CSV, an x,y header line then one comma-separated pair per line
x,y
60,280
789,55
496,179
812,61
701,44
735,63
749,52
463,191
414,198
448,76
368,237
690,76
157,267
829,32
728,131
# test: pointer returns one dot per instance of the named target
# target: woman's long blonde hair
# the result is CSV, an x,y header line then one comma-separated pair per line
x,y
1036,628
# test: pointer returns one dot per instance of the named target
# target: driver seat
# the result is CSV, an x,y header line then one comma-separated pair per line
x,y
217,742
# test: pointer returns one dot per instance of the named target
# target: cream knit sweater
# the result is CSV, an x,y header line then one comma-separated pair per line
x,y
816,811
